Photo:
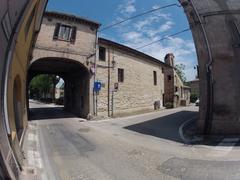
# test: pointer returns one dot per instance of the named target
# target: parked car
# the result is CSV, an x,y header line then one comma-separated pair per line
x,y
197,102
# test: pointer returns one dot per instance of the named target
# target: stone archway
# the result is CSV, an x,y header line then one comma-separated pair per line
x,y
77,78
216,31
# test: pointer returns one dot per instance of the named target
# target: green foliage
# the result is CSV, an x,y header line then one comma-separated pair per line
x,y
169,105
180,71
42,84
193,98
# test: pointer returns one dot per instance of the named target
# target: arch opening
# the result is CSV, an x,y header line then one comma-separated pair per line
x,y
68,91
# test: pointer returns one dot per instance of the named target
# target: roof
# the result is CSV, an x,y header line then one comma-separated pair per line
x,y
131,50
186,87
195,80
70,17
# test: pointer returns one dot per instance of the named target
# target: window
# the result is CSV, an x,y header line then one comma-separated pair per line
x,y
65,32
155,78
102,53
176,89
169,77
120,75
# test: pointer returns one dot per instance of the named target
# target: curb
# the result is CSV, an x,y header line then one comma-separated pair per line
x,y
182,129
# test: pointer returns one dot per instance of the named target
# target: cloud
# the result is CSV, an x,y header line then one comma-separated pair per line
x,y
165,27
127,8
152,27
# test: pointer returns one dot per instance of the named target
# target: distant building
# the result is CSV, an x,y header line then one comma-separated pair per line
x,y
59,91
176,92
194,86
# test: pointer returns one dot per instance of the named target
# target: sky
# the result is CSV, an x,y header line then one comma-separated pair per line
x,y
142,30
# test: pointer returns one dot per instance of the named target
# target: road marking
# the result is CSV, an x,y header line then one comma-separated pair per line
x,y
32,137
224,147
185,140
34,159
33,155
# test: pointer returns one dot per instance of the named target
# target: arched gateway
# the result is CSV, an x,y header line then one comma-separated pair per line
x,y
77,81
66,46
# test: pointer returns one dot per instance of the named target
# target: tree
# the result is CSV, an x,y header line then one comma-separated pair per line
x,y
180,71
42,84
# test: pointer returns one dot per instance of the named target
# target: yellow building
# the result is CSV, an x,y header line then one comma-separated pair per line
x,y
20,23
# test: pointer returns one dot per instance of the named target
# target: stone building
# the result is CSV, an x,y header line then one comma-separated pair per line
x,y
66,46
176,93
194,85
131,82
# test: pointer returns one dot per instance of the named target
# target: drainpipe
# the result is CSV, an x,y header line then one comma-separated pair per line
x,y
95,67
109,82
208,118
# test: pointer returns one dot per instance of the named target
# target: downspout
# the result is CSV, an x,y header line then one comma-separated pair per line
x,y
208,118
95,68
109,82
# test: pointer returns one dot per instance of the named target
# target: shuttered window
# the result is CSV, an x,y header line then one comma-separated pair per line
x,y
65,32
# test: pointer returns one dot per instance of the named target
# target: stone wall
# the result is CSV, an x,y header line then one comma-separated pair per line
x,y
137,93
216,28
83,47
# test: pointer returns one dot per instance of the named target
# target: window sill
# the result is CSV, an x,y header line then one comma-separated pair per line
x,y
64,40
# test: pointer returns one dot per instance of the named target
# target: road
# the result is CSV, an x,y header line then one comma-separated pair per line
x,y
143,147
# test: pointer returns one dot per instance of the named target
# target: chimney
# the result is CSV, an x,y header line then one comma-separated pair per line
x,y
169,59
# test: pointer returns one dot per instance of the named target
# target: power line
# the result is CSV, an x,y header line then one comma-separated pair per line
x,y
165,37
138,15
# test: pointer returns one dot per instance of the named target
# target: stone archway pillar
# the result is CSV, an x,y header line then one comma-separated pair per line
x,y
216,31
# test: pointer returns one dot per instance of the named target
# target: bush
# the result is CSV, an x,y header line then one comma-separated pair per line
x,y
193,98
169,105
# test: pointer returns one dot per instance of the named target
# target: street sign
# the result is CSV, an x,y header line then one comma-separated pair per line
x,y
97,86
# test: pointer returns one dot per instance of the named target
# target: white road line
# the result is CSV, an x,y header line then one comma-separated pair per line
x,y
32,137
224,147
181,133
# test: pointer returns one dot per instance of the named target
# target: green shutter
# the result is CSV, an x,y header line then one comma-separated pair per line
x,y
73,34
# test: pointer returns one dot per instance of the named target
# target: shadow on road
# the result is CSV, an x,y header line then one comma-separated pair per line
x,y
49,113
166,127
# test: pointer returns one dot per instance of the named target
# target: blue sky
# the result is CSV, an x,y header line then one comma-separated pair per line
x,y
139,31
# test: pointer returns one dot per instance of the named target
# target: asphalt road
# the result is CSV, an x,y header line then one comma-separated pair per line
x,y
145,147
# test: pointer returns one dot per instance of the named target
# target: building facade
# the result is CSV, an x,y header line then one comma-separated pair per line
x,y
176,93
131,82
20,23
66,46
194,85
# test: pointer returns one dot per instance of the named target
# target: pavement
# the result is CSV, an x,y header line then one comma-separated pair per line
x,y
141,147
